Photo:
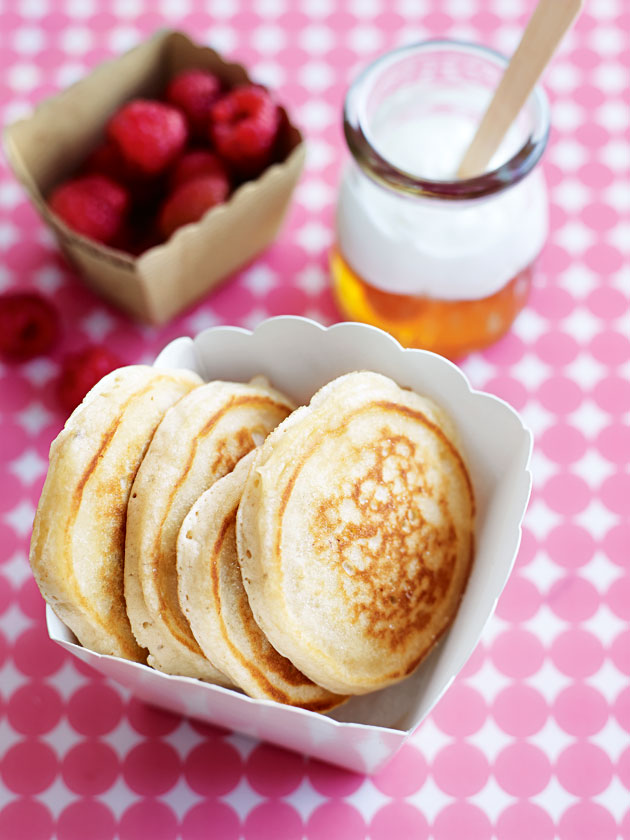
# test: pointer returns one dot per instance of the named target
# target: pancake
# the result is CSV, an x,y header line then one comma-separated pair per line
x,y
199,440
77,546
355,533
215,603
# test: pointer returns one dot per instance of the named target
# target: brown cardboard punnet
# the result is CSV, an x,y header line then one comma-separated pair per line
x,y
50,145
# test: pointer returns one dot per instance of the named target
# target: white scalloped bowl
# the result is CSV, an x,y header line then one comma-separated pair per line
x,y
299,356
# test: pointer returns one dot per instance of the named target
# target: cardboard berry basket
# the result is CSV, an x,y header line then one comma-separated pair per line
x,y
51,144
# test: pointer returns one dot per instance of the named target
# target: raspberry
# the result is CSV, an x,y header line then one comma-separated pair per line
x,y
81,371
243,127
189,202
196,163
149,135
93,205
105,159
194,92
29,325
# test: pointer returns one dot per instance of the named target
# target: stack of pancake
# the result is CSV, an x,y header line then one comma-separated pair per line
x,y
212,530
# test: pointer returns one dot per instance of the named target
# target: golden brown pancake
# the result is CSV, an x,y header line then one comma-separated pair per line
x,y
215,603
79,531
355,533
197,442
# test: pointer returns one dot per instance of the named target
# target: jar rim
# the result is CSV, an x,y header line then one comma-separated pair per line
x,y
383,172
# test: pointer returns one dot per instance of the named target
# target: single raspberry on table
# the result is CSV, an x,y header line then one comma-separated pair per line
x,y
194,92
81,371
243,127
93,205
196,163
189,202
29,325
148,134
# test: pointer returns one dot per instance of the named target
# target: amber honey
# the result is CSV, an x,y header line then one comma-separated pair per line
x,y
452,328
439,262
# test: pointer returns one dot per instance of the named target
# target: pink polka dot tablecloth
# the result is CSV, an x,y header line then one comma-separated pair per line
x,y
532,741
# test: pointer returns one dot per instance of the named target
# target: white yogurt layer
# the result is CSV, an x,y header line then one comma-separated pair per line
x,y
447,250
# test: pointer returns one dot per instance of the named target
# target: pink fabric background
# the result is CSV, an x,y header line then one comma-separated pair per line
x,y
532,741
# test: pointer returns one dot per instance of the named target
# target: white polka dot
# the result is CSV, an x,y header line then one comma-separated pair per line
x,y
567,154
574,237
9,234
462,32
68,74
618,195
316,315
16,110
314,236
319,154
260,279
530,326
97,324
531,371
365,8
563,77
578,280
127,8
461,8
571,195
608,40
250,322
317,8
316,76
48,278
613,115
222,38
312,280
412,34
582,324
180,8
268,39
508,8
506,38
33,8
619,237
268,73
365,39
570,41
80,8
11,194
315,195
76,40
270,8
317,114
222,8
29,39
567,115
615,155
609,8
588,418
611,78
124,38
24,77
412,8
202,320
316,39
5,282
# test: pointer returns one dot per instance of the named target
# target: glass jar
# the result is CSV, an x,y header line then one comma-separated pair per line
x,y
441,263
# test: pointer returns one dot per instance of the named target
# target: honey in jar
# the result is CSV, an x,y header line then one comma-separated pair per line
x,y
440,263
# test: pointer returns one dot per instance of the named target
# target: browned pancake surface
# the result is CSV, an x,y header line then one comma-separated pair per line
x,y
355,533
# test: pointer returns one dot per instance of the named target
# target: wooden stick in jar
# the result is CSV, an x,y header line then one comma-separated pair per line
x,y
546,28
